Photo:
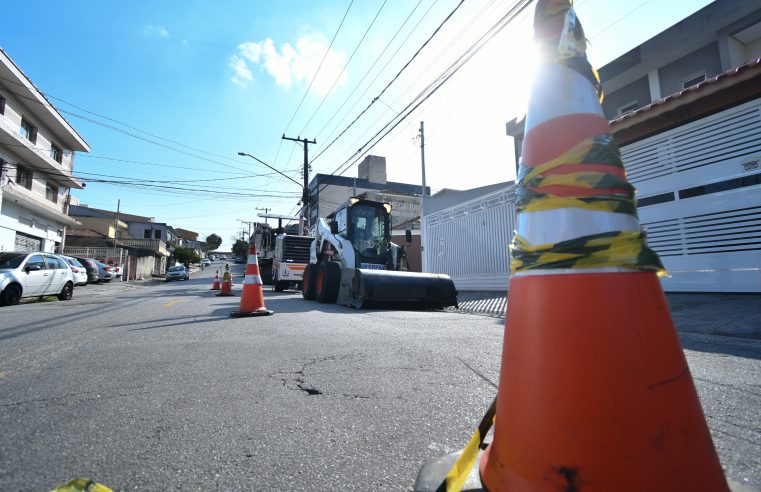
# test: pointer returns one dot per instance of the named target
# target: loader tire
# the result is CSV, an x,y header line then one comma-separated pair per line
x,y
327,282
308,282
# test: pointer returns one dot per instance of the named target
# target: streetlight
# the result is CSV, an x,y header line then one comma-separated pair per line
x,y
303,187
265,164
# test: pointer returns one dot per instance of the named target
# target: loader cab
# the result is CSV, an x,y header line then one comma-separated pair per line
x,y
367,225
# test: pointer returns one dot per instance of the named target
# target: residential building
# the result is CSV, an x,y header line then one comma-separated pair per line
x,y
328,191
37,149
141,232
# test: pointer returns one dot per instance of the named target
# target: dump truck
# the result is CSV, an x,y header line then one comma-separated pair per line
x,y
354,263
289,261
282,255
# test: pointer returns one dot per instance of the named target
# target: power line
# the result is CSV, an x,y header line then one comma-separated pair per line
x,y
49,105
319,67
393,79
335,113
434,86
346,65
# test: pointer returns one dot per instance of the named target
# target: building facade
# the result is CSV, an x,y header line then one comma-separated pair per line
x,y
37,149
328,192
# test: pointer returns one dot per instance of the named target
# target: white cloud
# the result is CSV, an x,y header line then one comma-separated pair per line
x,y
297,64
156,31
241,70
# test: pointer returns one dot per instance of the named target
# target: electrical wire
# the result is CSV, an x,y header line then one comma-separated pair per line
x,y
346,65
415,55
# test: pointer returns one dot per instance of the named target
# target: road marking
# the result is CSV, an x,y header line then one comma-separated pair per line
x,y
2,374
172,303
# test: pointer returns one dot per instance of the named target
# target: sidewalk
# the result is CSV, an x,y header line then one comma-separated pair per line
x,y
733,315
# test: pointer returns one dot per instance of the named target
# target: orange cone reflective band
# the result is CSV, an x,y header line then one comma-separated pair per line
x,y
595,394
252,298
215,285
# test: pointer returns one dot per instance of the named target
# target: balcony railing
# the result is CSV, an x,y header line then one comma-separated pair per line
x,y
156,245
37,203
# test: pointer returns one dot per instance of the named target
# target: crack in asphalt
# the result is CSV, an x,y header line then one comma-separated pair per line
x,y
298,377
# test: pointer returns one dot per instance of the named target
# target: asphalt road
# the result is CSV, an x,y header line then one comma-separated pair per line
x,y
153,387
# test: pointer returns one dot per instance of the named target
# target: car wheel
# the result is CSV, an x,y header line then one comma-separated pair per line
x,y
10,296
67,292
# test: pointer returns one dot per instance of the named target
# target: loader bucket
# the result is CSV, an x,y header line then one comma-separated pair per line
x,y
364,288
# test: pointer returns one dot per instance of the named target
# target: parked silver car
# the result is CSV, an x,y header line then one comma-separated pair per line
x,y
33,274
77,268
105,272
177,272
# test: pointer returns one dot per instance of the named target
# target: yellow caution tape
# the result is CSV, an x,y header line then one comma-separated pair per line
x,y
625,249
82,485
600,151
460,470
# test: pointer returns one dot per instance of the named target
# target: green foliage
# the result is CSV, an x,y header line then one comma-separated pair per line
x,y
186,256
212,242
240,248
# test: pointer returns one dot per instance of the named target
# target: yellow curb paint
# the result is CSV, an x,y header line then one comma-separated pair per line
x,y
172,303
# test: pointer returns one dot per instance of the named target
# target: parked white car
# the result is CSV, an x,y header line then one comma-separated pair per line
x,y
77,268
33,274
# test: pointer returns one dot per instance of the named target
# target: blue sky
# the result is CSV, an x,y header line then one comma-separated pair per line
x,y
166,93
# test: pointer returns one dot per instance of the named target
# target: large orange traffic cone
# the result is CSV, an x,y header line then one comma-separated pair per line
x,y
215,285
595,393
252,298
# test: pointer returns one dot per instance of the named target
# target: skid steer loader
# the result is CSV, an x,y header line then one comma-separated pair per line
x,y
354,263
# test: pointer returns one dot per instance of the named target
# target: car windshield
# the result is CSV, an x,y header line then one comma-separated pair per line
x,y
177,269
11,260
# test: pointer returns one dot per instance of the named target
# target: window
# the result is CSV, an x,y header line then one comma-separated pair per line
x,y
341,221
28,131
36,260
52,263
729,184
56,153
157,234
147,234
628,108
655,199
694,80
24,177
51,192
2,105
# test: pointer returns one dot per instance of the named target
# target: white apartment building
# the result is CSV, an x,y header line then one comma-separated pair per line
x,y
37,147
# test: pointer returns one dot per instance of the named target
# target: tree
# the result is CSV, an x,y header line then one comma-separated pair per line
x,y
240,248
212,242
186,256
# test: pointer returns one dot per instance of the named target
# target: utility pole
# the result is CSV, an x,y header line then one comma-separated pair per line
x,y
116,220
305,199
266,210
422,200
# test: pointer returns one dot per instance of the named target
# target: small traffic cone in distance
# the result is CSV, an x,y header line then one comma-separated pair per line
x,y
252,297
215,285
227,286
594,391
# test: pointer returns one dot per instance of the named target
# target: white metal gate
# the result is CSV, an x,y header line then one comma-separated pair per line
x,y
699,196
469,242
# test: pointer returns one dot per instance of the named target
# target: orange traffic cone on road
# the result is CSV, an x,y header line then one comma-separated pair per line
x,y
227,284
252,297
594,384
594,390
215,285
